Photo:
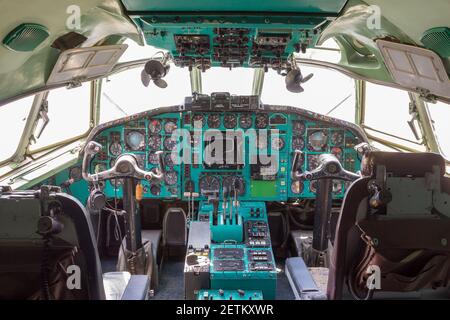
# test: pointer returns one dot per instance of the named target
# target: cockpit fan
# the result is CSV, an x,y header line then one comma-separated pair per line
x,y
156,70
294,80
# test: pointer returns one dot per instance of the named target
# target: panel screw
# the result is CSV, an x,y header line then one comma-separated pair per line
x,y
444,242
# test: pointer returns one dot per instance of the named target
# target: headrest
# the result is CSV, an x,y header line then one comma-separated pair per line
x,y
402,164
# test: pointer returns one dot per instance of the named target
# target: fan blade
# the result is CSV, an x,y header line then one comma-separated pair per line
x,y
292,80
145,78
155,69
161,83
307,78
295,88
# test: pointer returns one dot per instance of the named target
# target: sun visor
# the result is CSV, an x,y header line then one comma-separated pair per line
x,y
82,64
415,68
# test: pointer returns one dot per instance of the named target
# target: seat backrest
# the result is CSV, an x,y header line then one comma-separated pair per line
x,y
395,219
174,227
73,248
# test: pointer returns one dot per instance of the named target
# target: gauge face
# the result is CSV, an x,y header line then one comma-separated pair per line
x,y
75,174
229,121
170,126
198,119
337,152
278,143
209,184
214,121
262,120
337,186
115,149
154,142
230,183
297,187
171,178
153,158
313,161
337,138
170,143
298,143
317,140
298,127
245,121
155,190
154,126
168,161
135,140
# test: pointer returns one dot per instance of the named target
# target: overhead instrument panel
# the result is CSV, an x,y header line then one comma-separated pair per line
x,y
251,149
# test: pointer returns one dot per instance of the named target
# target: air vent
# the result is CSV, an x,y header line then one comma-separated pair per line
x,y
438,40
26,37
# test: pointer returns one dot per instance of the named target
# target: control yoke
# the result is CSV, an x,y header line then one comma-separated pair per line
x,y
126,166
329,168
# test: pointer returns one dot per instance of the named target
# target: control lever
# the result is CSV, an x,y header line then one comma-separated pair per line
x,y
295,174
215,204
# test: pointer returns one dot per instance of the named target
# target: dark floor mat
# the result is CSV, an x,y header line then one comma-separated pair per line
x,y
171,281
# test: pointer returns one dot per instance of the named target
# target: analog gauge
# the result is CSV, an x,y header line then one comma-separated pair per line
x,y
154,126
155,190
198,119
171,178
153,158
231,183
170,126
262,120
117,182
297,187
298,143
154,142
75,174
214,121
337,152
313,186
209,184
337,138
313,161
277,143
245,121
230,121
115,149
298,127
135,140
170,143
318,140
262,142
168,161
337,186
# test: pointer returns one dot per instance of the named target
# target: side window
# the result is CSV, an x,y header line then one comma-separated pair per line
x,y
440,115
387,116
68,114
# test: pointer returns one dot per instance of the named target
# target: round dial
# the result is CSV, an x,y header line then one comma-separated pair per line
x,y
155,190
313,161
232,182
168,161
199,118
170,143
230,121
337,152
209,184
154,142
115,149
298,143
277,143
298,127
337,138
297,187
171,178
135,141
318,140
75,174
170,126
214,121
245,121
153,158
262,121
154,126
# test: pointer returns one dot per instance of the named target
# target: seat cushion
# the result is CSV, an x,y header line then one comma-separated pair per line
x,y
115,284
154,236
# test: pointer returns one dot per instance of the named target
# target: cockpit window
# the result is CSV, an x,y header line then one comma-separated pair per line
x,y
440,115
236,81
13,118
68,116
327,92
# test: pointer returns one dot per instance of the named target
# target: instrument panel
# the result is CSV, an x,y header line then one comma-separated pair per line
x,y
249,137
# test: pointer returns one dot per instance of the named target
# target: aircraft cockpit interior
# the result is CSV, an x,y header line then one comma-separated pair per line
x,y
205,150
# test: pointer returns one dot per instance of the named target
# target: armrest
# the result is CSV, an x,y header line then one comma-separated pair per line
x,y
137,288
301,281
